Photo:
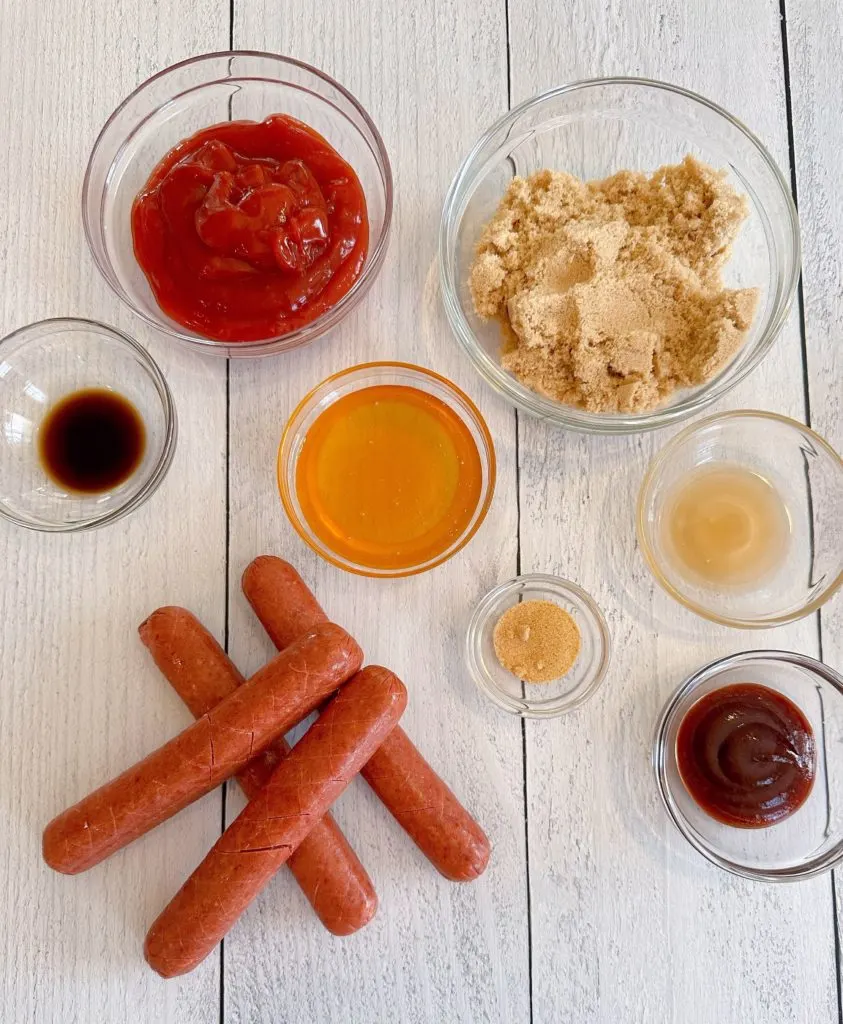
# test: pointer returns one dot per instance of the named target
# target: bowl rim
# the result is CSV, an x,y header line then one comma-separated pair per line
x,y
168,446
553,584
330,317
661,755
570,417
648,551
285,450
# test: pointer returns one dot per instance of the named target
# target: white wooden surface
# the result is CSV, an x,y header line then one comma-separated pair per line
x,y
593,910
816,43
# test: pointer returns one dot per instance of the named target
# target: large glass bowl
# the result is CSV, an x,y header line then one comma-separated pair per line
x,y
43,363
179,101
591,130
357,378
808,476
810,841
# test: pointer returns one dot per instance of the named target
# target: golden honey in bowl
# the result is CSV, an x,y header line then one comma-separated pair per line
x,y
389,476
725,525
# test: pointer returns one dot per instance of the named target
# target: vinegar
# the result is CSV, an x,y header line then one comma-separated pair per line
x,y
725,525
388,477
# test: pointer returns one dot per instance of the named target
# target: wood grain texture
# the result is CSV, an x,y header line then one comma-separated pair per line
x,y
81,698
628,923
815,35
430,74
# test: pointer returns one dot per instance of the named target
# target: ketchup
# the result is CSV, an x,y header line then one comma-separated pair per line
x,y
746,754
249,230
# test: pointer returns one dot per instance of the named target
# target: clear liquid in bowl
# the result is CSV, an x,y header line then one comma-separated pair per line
x,y
726,526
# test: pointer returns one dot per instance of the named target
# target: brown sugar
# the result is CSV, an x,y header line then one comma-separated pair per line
x,y
537,641
609,292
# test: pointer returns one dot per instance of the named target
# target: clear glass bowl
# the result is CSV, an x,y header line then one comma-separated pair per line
x,y
179,101
591,130
531,700
42,363
808,476
356,378
810,841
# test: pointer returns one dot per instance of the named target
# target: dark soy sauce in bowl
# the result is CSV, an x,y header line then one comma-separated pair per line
x,y
92,441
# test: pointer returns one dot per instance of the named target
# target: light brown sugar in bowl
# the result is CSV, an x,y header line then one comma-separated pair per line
x,y
609,292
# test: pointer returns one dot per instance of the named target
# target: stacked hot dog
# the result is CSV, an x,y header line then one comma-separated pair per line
x,y
239,731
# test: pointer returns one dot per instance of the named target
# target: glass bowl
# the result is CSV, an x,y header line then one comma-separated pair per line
x,y
205,90
532,700
42,363
808,476
356,378
810,841
592,129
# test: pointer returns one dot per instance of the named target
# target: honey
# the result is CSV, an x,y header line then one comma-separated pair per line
x,y
725,525
389,477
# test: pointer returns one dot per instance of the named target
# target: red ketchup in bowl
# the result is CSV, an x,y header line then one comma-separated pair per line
x,y
249,230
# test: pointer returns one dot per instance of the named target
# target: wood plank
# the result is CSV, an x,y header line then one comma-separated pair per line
x,y
81,699
436,951
815,37
628,923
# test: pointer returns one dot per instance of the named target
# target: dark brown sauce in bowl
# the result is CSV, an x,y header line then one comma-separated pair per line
x,y
91,441
746,754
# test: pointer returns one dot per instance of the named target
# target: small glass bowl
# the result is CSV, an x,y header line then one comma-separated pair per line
x,y
593,129
356,378
194,94
545,700
810,841
39,365
808,475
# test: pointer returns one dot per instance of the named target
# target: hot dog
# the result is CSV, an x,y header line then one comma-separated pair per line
x,y
283,602
410,789
272,825
211,750
427,810
325,866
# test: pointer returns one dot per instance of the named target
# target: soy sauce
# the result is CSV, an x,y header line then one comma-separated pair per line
x,y
92,441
